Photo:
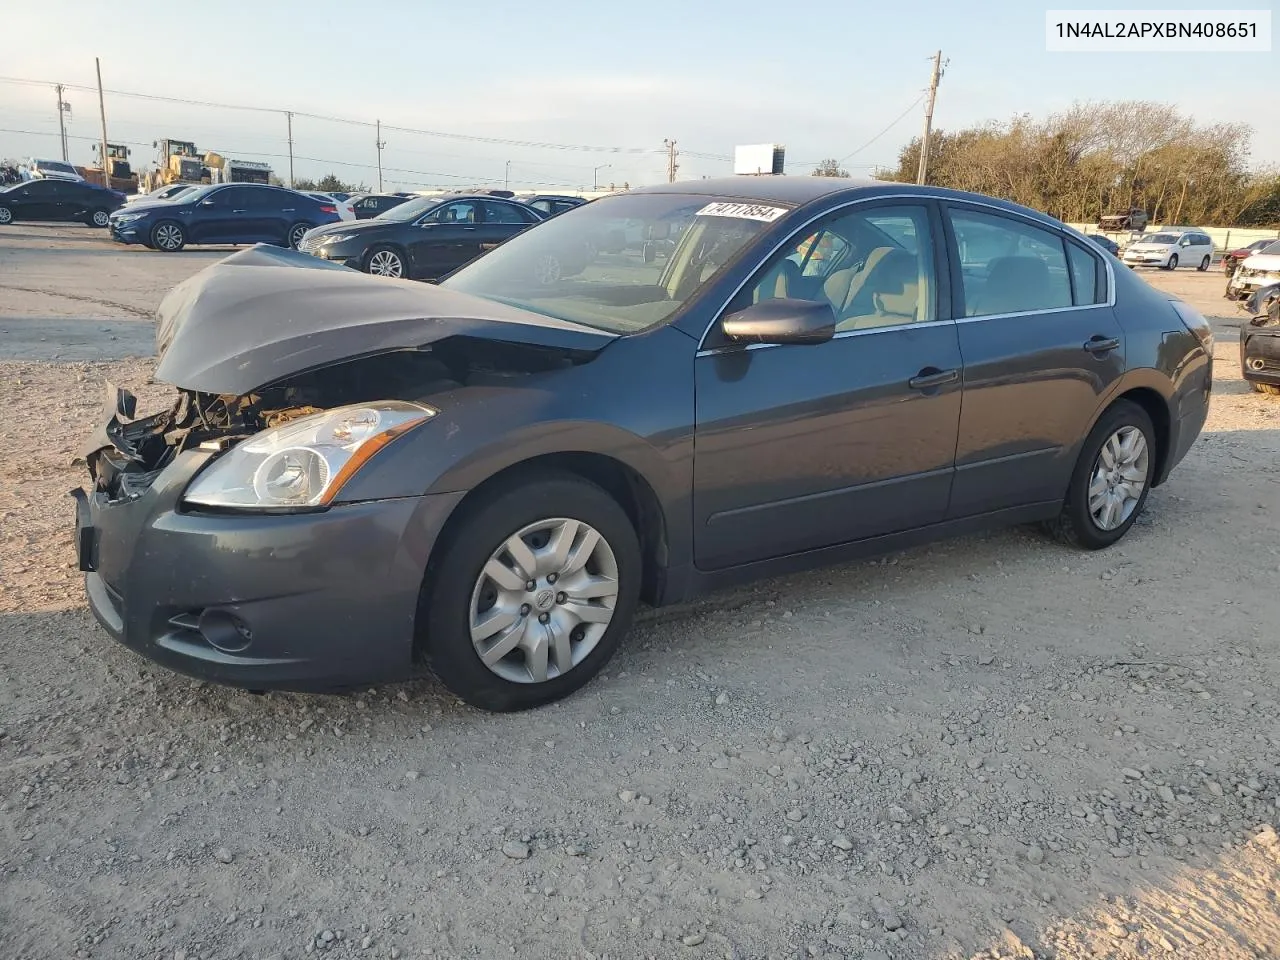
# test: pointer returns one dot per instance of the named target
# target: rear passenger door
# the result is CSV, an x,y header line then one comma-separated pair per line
x,y
1040,346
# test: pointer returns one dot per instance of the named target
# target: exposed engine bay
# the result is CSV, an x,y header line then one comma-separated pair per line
x,y
127,453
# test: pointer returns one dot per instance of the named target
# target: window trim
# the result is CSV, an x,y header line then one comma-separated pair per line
x,y
942,281
953,251
1099,275
938,203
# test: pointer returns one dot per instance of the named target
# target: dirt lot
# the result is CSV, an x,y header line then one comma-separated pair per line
x,y
994,747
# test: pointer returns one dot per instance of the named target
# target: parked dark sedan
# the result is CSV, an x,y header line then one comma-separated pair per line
x,y
370,205
232,213
363,475
424,238
59,200
1106,243
551,204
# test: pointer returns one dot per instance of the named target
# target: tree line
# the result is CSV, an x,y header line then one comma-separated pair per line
x,y
1101,158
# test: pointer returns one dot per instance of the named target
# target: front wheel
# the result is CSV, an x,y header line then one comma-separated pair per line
x,y
6,215
1204,264
1111,480
99,218
532,593
385,262
1173,262
296,233
168,236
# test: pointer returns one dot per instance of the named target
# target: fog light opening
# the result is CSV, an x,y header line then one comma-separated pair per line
x,y
225,632
1257,363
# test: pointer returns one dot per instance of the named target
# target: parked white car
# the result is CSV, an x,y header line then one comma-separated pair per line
x,y
1171,249
52,170
1259,270
345,210
171,191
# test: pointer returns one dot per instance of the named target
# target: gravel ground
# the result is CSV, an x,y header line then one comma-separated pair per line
x,y
992,747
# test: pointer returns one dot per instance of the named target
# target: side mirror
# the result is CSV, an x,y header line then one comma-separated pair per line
x,y
782,320
208,203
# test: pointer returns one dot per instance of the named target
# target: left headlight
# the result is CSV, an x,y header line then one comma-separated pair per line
x,y
303,463
127,217
337,238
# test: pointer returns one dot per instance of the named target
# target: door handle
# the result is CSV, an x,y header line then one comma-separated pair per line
x,y
240,211
931,377
1098,344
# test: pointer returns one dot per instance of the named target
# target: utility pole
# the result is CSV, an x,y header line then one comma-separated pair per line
x,y
63,109
506,179
595,175
288,115
923,170
672,166
380,144
102,112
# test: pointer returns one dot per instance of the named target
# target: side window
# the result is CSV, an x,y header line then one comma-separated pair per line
x,y
874,266
1008,265
462,211
502,213
1086,276
234,198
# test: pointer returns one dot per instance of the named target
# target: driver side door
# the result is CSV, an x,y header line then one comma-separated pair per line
x,y
445,238
799,447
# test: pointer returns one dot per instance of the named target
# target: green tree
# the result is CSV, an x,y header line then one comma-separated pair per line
x,y
830,168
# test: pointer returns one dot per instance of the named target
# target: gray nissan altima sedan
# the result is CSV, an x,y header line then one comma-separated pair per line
x,y
360,478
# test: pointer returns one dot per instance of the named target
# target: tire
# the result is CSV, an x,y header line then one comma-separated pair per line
x,y
296,232
1204,264
386,262
458,592
6,216
1076,524
99,218
1268,388
1173,262
167,236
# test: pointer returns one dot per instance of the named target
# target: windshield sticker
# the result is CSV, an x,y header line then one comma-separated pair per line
x,y
743,211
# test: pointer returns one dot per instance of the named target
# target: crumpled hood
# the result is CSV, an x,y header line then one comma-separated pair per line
x,y
1262,261
264,314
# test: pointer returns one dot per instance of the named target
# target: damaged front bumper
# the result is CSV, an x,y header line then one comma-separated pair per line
x,y
1260,337
312,602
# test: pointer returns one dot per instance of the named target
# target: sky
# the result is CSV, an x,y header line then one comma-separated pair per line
x,y
522,88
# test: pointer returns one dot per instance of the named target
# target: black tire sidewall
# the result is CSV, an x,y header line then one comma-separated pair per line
x,y
1204,264
1121,414
456,565
1173,262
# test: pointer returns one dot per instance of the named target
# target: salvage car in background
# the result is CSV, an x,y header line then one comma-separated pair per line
x,y
1232,258
369,205
59,200
1262,269
1260,340
361,476
551,204
233,213
424,238
170,191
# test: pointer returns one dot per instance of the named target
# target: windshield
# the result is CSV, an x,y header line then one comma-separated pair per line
x,y
1274,249
1160,238
619,264
196,194
409,210
55,166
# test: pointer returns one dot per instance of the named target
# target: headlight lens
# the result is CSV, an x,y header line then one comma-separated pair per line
x,y
305,462
337,238
127,217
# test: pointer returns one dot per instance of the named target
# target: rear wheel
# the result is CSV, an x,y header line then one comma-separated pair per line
x,y
1111,480
6,215
99,218
168,236
532,593
1204,264
296,233
1173,262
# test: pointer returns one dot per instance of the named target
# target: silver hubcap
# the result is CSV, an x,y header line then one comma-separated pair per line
x,y
168,237
1119,477
100,218
296,236
543,600
385,264
5,215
